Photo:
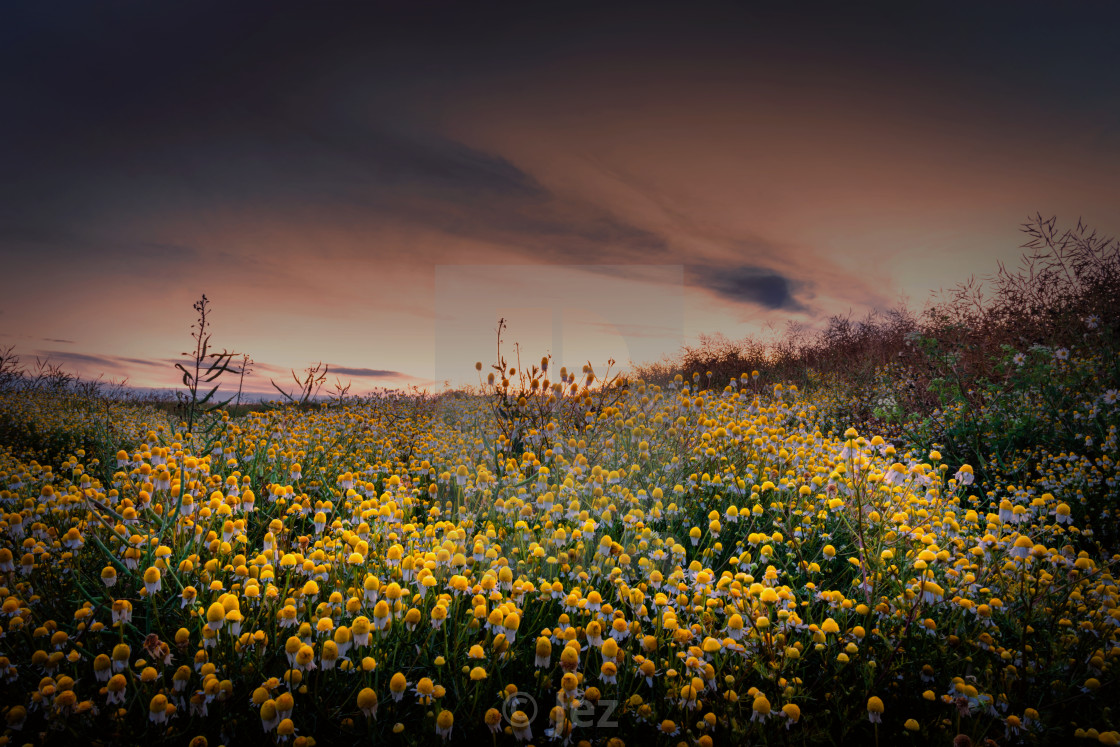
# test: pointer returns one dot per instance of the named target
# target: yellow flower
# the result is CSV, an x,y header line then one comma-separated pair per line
x,y
444,722
397,685
519,722
215,616
157,709
367,702
543,652
424,689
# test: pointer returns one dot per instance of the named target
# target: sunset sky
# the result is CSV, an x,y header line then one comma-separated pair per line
x,y
374,185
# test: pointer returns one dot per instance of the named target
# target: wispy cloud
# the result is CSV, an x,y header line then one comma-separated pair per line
x,y
371,373
745,284
656,331
423,178
91,364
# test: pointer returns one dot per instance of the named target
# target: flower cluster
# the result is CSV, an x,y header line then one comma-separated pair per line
x,y
708,566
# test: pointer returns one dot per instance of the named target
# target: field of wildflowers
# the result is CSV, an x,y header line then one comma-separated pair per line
x,y
544,561
556,558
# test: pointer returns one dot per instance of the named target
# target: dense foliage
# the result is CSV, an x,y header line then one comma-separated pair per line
x,y
704,565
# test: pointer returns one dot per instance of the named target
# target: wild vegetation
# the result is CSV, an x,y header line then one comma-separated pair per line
x,y
824,542
1017,376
